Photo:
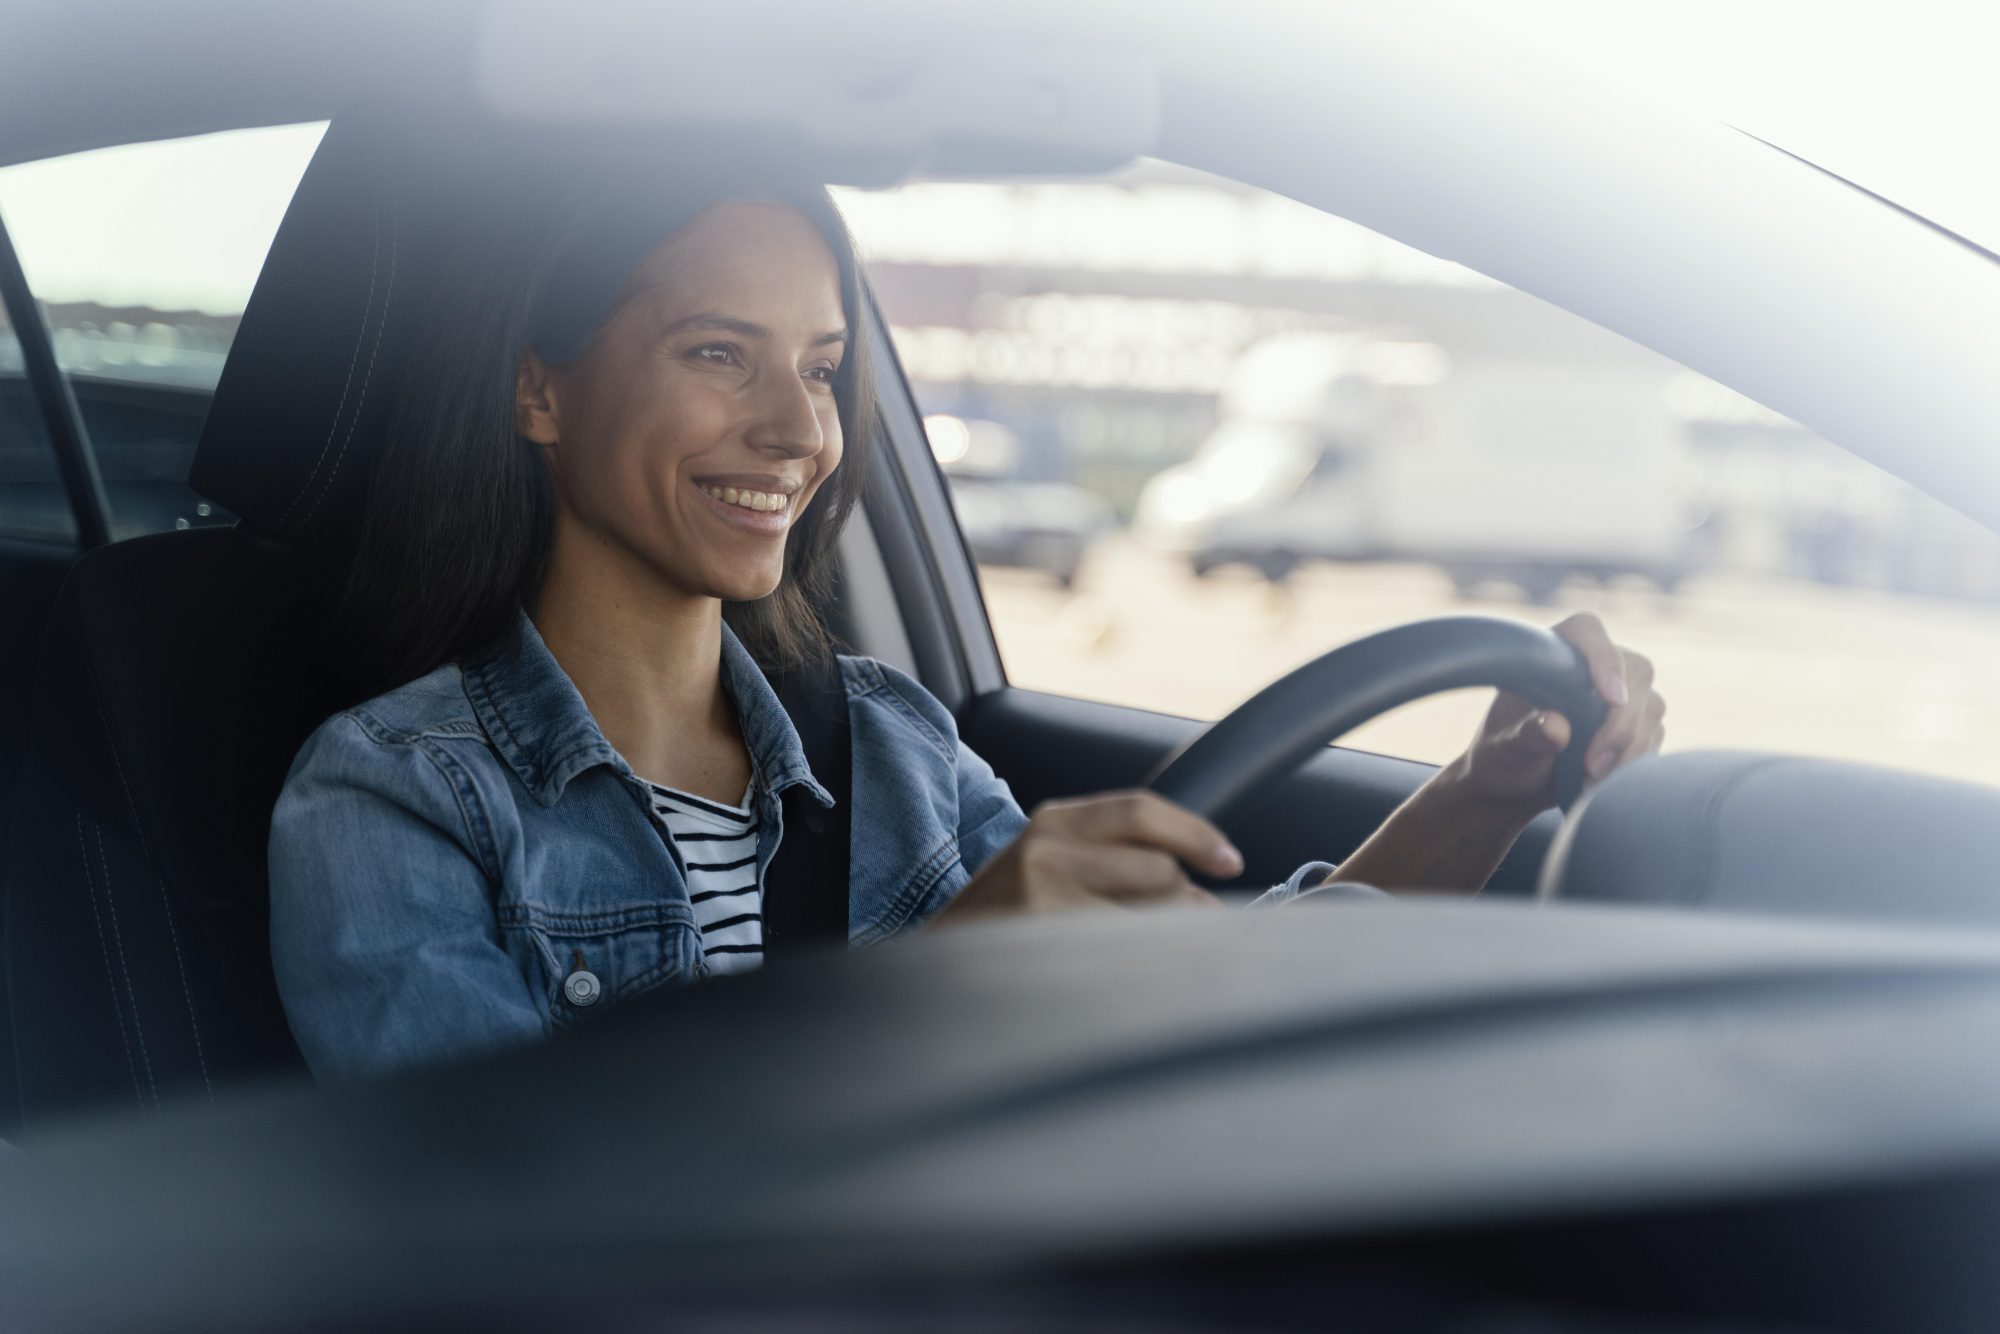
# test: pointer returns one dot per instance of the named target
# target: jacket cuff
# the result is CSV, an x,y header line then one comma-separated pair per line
x,y
1305,883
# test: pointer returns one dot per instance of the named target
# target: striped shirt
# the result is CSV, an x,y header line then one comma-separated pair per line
x,y
718,845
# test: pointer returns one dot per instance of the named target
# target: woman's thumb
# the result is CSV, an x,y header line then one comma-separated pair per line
x,y
1540,734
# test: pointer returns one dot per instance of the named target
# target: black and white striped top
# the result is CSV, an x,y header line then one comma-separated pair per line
x,y
718,845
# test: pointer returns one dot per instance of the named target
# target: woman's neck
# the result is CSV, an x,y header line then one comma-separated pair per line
x,y
647,659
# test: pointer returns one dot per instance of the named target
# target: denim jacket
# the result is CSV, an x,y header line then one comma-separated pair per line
x,y
445,856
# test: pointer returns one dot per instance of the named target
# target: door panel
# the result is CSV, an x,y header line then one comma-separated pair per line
x,y
1052,746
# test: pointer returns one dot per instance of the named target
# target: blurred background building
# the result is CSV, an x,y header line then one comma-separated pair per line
x,y
1218,365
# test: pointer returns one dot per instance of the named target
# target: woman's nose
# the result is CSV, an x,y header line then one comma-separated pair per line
x,y
788,418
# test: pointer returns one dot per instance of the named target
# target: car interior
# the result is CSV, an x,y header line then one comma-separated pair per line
x,y
159,686
154,689
175,674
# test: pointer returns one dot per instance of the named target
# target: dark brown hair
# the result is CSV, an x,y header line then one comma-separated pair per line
x,y
460,514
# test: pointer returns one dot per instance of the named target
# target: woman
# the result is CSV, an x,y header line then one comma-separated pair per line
x,y
576,590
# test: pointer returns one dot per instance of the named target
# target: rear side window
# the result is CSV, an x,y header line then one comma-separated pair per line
x,y
33,504
142,257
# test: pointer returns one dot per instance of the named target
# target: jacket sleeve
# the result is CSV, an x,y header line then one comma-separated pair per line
x,y
384,935
1306,883
988,816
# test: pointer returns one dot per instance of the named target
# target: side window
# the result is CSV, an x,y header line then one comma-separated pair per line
x,y
142,257
33,504
1199,434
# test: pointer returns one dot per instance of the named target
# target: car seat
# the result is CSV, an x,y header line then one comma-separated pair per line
x,y
182,671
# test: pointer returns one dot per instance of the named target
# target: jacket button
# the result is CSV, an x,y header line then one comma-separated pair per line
x,y
582,988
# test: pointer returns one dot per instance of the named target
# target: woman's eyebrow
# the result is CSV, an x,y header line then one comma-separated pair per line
x,y
748,329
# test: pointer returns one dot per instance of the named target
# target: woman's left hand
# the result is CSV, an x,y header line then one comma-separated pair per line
x,y
1511,764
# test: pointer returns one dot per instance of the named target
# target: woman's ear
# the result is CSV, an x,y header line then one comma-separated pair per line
x,y
535,414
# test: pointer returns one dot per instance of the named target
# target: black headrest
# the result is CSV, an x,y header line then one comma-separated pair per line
x,y
313,369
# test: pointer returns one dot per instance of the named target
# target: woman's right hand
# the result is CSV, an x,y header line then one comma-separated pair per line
x,y
1124,848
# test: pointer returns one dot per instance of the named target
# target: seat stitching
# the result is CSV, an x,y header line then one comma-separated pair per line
x,y
166,903
125,785
382,323
374,262
104,947
187,993
118,939
118,765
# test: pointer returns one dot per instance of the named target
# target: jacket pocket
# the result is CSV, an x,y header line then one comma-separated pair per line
x,y
582,964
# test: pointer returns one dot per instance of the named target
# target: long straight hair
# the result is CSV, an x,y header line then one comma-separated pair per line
x,y
459,522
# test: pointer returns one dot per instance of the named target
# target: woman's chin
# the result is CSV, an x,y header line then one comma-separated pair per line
x,y
739,588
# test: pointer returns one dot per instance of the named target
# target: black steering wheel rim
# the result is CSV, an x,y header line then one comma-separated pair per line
x,y
1284,724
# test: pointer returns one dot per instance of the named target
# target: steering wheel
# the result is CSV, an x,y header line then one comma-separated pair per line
x,y
1281,726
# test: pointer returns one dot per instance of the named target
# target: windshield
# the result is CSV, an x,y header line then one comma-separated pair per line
x,y
1900,99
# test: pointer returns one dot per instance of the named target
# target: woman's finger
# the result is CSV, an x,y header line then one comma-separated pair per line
x,y
1622,728
1077,873
1626,736
1586,633
1638,670
1150,820
1650,736
1625,725
1529,747
1132,875
1121,871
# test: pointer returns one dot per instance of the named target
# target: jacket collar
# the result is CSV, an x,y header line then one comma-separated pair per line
x,y
539,724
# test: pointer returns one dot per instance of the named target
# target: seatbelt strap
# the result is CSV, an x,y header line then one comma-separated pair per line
x,y
805,886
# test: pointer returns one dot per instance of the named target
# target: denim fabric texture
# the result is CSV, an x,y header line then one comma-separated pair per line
x,y
447,856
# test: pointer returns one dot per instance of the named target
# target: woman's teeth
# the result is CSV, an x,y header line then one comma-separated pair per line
x,y
763,501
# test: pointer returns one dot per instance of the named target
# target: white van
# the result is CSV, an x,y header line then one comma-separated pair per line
x,y
1333,447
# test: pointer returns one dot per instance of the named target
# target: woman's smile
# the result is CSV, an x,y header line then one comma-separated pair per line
x,y
761,506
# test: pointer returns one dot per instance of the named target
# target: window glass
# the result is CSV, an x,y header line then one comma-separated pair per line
x,y
143,257
33,503
1199,434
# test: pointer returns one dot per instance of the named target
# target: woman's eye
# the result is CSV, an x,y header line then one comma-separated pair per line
x,y
716,354
821,374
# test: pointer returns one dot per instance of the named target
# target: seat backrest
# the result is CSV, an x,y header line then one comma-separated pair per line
x,y
178,678
30,575
181,672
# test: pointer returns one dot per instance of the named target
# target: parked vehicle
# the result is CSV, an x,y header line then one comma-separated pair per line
x,y
1009,520
1338,448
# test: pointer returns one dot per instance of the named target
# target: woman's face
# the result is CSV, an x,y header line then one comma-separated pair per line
x,y
701,422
